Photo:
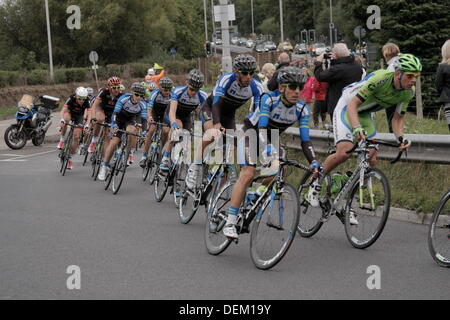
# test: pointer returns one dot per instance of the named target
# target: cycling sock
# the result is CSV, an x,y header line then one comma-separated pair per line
x,y
145,155
232,215
61,139
106,164
95,139
198,162
132,151
167,154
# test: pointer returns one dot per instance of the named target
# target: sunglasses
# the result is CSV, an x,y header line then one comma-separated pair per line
x,y
81,98
115,87
138,94
194,89
414,74
166,89
293,86
246,73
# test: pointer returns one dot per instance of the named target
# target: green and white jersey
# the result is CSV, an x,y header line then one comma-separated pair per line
x,y
377,92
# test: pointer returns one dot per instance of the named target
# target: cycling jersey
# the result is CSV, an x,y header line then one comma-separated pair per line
x,y
274,114
107,101
377,92
158,103
74,107
127,109
186,104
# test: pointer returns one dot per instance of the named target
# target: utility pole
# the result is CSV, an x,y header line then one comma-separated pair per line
x,y
50,52
253,21
331,24
281,20
206,21
226,57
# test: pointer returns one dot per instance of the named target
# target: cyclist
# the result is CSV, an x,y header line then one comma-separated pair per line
x,y
150,74
129,109
76,109
232,91
159,101
353,116
278,111
104,108
183,101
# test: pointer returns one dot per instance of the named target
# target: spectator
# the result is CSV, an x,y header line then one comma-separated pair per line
x,y
307,92
283,61
390,53
267,72
443,80
362,62
343,71
320,103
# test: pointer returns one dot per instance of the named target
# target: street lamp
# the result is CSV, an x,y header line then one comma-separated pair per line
x,y
253,21
50,54
281,21
331,24
206,21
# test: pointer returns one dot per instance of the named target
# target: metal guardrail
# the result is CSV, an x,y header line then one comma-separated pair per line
x,y
430,148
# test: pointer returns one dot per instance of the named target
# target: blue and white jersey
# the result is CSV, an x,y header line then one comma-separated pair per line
x,y
187,104
235,96
158,103
126,107
274,114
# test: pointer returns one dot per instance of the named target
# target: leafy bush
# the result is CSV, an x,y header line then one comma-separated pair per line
x,y
180,66
8,78
138,70
37,77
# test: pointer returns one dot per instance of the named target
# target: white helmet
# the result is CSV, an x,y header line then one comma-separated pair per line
x,y
151,71
90,91
81,92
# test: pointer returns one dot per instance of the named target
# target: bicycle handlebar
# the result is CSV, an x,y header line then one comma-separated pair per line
x,y
373,143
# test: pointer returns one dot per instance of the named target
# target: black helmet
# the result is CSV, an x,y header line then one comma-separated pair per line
x,y
138,88
292,75
196,78
244,62
166,83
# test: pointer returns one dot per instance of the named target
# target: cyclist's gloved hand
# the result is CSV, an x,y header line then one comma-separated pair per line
x,y
359,132
175,125
315,164
114,127
404,143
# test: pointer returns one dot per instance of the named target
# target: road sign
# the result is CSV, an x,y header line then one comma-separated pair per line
x,y
331,25
93,57
359,32
94,67
219,10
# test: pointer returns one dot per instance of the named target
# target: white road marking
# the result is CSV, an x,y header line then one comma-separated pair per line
x,y
12,160
28,156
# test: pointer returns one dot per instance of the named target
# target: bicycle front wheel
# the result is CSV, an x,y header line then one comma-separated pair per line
x,y
367,209
216,242
274,230
161,184
179,183
119,173
310,217
439,233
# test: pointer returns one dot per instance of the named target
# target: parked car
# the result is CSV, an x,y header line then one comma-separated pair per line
x,y
300,48
260,47
234,40
242,41
285,46
218,42
270,45
319,48
250,43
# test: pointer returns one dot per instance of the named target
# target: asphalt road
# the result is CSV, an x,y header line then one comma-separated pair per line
x,y
130,247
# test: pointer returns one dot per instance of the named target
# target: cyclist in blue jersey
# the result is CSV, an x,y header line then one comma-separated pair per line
x,y
159,101
184,100
130,109
278,111
232,91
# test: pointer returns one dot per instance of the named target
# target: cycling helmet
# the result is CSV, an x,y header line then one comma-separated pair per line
x,y
151,71
244,62
152,86
114,81
81,93
157,67
138,88
196,78
409,63
90,91
166,83
292,75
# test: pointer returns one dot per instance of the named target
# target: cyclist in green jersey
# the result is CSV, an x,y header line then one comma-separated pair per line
x,y
353,114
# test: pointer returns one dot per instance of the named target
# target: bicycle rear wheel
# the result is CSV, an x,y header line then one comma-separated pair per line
x,y
65,156
273,232
310,217
154,166
179,183
439,233
216,242
161,184
367,209
84,150
119,173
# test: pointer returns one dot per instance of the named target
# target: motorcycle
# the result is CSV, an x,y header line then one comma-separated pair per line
x,y
33,121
